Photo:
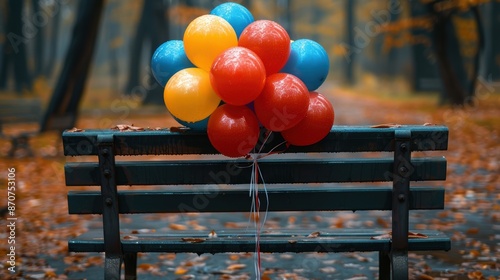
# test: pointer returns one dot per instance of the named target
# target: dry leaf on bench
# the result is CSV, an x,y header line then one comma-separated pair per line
x,y
389,235
386,125
74,129
130,237
212,234
126,127
313,235
193,240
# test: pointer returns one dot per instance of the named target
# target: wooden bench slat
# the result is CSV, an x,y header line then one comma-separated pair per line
x,y
20,110
301,198
284,241
340,139
239,172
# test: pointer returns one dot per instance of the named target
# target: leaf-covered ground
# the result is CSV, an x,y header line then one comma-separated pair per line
x,y
471,217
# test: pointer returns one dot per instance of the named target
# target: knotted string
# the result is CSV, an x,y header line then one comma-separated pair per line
x,y
254,194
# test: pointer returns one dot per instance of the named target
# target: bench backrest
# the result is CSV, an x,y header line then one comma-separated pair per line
x,y
322,167
20,110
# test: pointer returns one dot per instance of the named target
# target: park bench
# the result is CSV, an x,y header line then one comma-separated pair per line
x,y
306,179
20,111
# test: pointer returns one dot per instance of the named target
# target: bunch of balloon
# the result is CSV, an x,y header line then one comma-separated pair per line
x,y
231,74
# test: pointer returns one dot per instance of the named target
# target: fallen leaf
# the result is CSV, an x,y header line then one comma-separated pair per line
x,y
178,129
193,240
145,266
410,235
386,125
142,230
382,236
382,222
177,226
50,273
236,266
472,231
74,129
130,237
416,235
126,127
328,269
180,270
212,234
314,234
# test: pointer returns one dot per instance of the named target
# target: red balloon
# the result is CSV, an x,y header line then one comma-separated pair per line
x,y
233,130
269,41
316,124
238,76
282,103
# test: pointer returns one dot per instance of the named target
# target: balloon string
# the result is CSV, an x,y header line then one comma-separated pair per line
x,y
254,194
255,209
257,220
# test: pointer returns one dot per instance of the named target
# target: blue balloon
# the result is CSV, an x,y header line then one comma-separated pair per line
x,y
196,126
168,59
308,61
237,15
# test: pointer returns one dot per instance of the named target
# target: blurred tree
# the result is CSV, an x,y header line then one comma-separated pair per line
x,y
492,57
52,36
425,76
349,30
112,33
458,86
14,54
153,29
456,49
63,106
38,47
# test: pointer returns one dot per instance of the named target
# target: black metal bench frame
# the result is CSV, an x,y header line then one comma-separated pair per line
x,y
399,168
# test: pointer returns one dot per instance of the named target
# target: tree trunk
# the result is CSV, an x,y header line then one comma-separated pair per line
x,y
136,52
477,58
53,40
493,72
425,72
454,92
158,34
152,28
39,45
14,50
63,107
349,29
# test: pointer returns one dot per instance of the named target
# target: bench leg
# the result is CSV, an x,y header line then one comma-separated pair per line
x,y
130,260
384,265
20,143
112,267
399,263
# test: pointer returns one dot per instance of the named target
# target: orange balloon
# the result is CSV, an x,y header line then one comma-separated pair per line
x,y
206,37
189,96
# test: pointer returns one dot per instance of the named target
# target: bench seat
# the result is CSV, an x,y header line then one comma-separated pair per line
x,y
271,241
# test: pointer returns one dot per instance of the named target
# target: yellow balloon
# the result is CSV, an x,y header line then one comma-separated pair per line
x,y
189,96
206,37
